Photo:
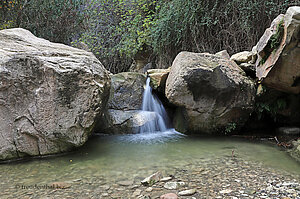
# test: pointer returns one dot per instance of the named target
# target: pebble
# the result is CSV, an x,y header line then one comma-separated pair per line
x,y
125,183
105,194
169,196
149,189
226,191
152,179
165,179
136,193
187,192
173,185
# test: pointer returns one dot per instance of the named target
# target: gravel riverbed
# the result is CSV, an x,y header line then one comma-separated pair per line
x,y
225,177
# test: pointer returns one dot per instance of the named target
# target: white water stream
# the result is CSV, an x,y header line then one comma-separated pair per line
x,y
152,104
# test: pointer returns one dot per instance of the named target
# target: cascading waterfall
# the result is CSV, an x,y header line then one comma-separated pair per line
x,y
158,127
151,104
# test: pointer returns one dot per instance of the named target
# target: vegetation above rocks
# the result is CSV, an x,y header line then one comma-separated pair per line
x,y
116,30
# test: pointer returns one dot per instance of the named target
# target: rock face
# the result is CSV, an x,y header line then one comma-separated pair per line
x,y
278,50
212,93
124,104
50,95
126,91
158,78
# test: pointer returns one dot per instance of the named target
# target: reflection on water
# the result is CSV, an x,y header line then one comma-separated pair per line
x,y
126,157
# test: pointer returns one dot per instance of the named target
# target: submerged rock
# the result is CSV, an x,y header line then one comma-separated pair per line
x,y
211,93
50,95
278,50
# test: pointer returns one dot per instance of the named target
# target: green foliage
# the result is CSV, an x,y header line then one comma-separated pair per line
x,y
277,37
211,26
117,30
270,106
7,9
230,127
56,20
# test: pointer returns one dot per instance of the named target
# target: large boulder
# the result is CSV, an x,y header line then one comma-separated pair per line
x,y
124,105
278,50
50,95
212,93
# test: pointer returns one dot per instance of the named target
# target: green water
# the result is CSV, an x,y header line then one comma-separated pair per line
x,y
113,158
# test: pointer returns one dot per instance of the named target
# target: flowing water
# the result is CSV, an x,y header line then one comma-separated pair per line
x,y
152,104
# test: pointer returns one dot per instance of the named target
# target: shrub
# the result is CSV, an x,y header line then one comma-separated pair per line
x,y
55,20
213,25
117,29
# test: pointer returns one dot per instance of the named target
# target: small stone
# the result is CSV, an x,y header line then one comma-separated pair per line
x,y
187,192
165,179
125,183
169,196
287,184
136,193
226,191
134,186
264,197
105,187
105,194
149,181
173,185
149,189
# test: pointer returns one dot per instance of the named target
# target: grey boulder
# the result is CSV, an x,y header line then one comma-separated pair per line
x,y
50,95
211,93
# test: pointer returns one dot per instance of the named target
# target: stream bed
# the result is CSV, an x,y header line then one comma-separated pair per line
x,y
113,166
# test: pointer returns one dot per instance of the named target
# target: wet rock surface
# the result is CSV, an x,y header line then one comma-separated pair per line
x,y
221,178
